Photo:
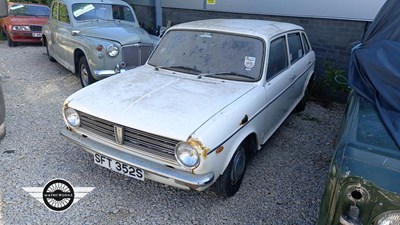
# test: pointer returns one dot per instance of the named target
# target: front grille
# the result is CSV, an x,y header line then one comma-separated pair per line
x,y
147,143
36,28
136,55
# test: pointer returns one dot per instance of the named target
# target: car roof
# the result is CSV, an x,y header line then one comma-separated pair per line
x,y
263,28
70,2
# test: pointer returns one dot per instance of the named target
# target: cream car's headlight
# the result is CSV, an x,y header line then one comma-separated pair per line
x,y
187,155
112,50
72,117
21,28
388,218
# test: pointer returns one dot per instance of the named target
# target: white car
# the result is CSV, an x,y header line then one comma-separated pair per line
x,y
211,93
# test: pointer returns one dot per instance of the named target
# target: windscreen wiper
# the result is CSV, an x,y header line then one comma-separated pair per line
x,y
180,69
220,74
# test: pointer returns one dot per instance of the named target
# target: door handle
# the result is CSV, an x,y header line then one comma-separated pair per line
x,y
292,77
309,63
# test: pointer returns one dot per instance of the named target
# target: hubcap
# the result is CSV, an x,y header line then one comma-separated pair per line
x,y
238,165
84,76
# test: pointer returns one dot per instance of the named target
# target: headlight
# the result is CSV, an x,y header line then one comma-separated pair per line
x,y
388,218
187,155
72,117
21,28
112,50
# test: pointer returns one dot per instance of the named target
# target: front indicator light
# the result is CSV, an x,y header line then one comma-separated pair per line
x,y
72,117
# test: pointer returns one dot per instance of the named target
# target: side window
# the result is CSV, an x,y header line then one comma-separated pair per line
x,y
295,47
54,11
63,14
305,43
277,60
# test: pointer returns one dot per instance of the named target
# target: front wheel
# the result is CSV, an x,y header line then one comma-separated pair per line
x,y
11,43
84,72
229,182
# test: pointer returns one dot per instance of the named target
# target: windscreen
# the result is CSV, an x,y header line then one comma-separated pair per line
x,y
28,10
227,56
92,11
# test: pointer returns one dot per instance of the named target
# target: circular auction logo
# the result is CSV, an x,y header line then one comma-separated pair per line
x,y
58,195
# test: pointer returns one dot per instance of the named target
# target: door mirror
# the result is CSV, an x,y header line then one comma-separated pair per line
x,y
3,8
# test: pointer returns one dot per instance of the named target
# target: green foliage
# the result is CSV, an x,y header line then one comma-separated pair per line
x,y
335,79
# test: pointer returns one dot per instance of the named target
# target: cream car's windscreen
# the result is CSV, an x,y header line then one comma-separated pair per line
x,y
218,55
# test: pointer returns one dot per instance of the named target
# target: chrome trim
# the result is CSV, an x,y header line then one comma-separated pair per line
x,y
188,179
138,141
104,73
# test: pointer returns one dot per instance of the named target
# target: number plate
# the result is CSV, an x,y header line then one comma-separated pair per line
x,y
118,166
36,34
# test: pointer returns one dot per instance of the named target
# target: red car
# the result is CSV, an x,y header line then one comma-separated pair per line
x,y
24,22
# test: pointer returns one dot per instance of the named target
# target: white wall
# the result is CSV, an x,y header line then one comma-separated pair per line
x,y
361,10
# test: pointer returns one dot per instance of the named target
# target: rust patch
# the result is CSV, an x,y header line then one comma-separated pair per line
x,y
201,149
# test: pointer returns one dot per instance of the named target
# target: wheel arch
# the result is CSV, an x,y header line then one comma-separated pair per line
x,y
250,143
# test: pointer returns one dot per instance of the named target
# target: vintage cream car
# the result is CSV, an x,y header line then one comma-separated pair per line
x,y
96,39
212,93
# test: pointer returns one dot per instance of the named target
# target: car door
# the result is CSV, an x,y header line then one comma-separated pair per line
x,y
61,37
300,63
277,84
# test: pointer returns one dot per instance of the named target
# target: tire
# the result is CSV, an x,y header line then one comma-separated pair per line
x,y
48,53
10,42
229,182
84,72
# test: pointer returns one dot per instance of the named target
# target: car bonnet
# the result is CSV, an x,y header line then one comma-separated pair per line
x,y
123,33
158,102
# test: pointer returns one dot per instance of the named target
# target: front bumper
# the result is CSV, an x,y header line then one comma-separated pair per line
x,y
153,171
26,36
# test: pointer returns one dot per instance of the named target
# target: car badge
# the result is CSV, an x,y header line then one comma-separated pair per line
x,y
119,134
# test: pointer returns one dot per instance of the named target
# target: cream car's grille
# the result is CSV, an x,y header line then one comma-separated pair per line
x,y
136,55
148,143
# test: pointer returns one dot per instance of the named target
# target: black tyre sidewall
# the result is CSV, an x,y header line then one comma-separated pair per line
x,y
223,186
83,61
9,41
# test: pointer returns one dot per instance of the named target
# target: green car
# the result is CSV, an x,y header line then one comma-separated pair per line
x,y
364,179
363,185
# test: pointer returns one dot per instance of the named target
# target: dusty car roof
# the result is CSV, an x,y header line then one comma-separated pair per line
x,y
264,28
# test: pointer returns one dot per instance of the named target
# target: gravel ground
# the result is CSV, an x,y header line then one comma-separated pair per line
x,y
283,184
